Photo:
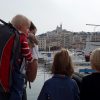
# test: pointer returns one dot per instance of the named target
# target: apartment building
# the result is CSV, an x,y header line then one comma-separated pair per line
x,y
42,42
61,38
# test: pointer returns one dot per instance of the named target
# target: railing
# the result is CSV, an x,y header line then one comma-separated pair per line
x,y
86,71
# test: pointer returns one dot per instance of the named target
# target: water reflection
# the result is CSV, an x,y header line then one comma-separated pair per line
x,y
42,75
36,86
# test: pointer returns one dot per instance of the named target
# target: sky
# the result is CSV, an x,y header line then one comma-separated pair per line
x,y
47,14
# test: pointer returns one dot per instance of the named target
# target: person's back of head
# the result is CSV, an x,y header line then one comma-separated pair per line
x,y
62,63
21,23
33,28
95,59
31,35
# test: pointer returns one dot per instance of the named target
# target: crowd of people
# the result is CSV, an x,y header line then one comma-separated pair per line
x,y
62,85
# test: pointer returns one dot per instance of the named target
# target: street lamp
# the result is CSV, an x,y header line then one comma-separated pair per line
x,y
93,25
94,28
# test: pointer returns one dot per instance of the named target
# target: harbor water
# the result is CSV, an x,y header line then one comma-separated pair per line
x,y
42,75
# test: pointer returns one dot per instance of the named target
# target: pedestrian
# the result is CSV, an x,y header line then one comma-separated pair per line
x,y
90,85
33,44
32,40
61,86
22,24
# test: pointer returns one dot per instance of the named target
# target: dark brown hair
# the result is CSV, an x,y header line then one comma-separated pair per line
x,y
31,36
32,27
62,63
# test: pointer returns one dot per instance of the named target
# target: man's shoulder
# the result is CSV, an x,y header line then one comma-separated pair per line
x,y
87,78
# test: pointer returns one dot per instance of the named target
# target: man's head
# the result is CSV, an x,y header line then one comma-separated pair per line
x,y
21,23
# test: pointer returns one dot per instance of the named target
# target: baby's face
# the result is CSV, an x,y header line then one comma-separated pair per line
x,y
25,29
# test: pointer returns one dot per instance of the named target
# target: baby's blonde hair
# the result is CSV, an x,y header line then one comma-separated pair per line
x,y
20,20
95,59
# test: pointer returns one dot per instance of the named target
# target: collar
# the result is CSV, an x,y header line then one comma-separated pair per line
x,y
26,34
60,76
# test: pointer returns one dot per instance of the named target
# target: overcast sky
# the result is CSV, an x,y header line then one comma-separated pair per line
x,y
47,14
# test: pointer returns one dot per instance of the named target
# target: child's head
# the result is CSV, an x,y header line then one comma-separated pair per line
x,y
95,59
62,63
21,23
